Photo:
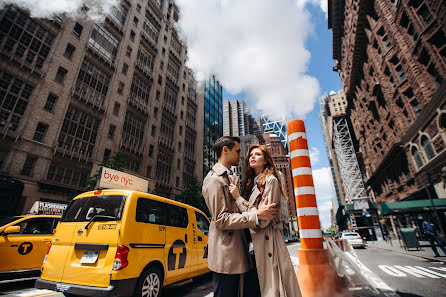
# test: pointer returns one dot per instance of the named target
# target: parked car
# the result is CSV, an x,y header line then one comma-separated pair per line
x,y
354,239
24,241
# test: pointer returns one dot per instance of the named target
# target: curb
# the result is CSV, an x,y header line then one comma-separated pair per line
x,y
410,254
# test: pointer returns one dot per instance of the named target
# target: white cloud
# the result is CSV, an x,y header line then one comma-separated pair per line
x,y
314,155
323,185
322,4
254,46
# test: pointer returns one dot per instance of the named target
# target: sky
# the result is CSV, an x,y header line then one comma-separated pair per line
x,y
305,54
274,54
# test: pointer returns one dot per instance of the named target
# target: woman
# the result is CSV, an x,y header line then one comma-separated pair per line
x,y
262,184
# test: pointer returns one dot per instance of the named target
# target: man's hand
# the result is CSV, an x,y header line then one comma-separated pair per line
x,y
266,211
235,193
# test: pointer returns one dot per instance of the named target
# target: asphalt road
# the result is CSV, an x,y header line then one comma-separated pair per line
x,y
409,276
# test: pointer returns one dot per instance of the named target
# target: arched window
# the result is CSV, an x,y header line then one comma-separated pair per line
x,y
417,157
427,146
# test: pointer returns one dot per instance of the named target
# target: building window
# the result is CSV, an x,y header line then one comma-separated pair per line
x,y
427,146
40,131
111,131
92,84
177,182
118,15
153,130
107,154
69,51
77,30
417,157
151,150
67,176
164,167
120,87
60,75
116,108
138,7
181,130
28,165
133,133
78,133
128,52
178,163
160,80
132,35
149,171
157,97
14,94
24,39
125,68
139,94
425,15
155,112
135,21
416,107
50,102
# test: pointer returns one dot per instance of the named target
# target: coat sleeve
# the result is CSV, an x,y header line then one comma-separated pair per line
x,y
243,205
215,200
272,194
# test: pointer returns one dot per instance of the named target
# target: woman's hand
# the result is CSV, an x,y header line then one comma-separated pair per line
x,y
235,193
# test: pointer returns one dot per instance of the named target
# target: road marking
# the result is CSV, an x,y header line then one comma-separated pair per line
x,y
34,292
375,279
417,271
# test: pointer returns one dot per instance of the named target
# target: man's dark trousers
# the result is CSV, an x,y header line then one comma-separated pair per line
x,y
251,282
226,285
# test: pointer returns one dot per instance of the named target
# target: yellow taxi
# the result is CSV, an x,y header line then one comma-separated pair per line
x,y
24,241
125,243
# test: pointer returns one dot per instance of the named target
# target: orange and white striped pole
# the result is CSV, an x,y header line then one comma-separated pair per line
x,y
316,277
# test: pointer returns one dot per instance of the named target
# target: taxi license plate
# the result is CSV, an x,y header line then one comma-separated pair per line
x,y
89,257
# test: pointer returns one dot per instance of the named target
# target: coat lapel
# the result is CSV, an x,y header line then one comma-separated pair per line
x,y
253,196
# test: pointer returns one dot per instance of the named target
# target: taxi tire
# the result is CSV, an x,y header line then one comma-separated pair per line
x,y
151,275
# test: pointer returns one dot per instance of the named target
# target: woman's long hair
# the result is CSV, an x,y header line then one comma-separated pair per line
x,y
249,173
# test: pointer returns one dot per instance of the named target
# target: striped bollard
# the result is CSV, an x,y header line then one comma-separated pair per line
x,y
316,277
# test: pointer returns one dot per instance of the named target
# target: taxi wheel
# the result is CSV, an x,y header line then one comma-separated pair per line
x,y
150,283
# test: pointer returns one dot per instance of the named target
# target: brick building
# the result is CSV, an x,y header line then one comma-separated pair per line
x,y
75,92
391,58
283,164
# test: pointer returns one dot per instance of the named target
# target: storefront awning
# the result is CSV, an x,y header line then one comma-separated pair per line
x,y
412,206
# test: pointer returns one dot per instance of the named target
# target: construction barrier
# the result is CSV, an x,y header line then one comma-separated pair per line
x,y
316,276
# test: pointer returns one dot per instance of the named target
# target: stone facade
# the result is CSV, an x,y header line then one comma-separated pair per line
x,y
75,92
391,58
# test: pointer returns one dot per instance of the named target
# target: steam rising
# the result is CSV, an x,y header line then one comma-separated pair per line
x,y
254,46
97,9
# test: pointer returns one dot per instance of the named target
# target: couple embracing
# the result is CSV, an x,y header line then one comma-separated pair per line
x,y
246,249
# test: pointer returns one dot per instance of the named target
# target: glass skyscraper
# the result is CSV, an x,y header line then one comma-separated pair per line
x,y
213,121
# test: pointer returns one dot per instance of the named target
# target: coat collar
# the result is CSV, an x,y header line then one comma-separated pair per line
x,y
254,195
219,169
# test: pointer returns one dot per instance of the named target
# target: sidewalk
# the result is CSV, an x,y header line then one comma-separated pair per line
x,y
425,250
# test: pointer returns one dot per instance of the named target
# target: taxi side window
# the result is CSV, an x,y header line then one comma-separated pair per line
x,y
39,226
150,211
202,223
176,216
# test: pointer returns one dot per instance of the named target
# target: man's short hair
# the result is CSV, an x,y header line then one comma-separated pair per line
x,y
228,141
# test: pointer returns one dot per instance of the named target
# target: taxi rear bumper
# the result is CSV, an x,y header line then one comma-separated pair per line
x,y
123,287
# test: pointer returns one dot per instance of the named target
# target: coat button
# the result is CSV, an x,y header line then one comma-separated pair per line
x,y
266,237
230,232
270,255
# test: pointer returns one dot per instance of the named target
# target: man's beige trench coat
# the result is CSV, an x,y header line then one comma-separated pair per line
x,y
274,267
227,246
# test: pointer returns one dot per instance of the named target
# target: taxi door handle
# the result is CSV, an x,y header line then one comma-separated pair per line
x,y
200,238
185,237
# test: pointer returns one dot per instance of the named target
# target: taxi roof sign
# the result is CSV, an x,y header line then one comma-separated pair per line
x,y
113,179
47,208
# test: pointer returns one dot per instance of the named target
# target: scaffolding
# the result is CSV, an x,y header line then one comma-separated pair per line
x,y
277,127
355,192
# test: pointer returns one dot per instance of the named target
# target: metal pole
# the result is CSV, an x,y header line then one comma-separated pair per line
x,y
433,206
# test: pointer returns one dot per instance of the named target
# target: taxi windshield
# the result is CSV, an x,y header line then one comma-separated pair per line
x,y
104,207
7,220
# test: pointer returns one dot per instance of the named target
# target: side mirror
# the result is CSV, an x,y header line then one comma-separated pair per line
x,y
12,230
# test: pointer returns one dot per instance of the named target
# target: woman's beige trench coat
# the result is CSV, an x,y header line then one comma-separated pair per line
x,y
274,267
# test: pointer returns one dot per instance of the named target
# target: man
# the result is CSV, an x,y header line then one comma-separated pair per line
x,y
432,235
228,256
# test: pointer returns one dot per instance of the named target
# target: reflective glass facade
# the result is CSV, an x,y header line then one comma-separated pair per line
x,y
213,121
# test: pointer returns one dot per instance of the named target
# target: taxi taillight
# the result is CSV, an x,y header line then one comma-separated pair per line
x,y
46,256
121,257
